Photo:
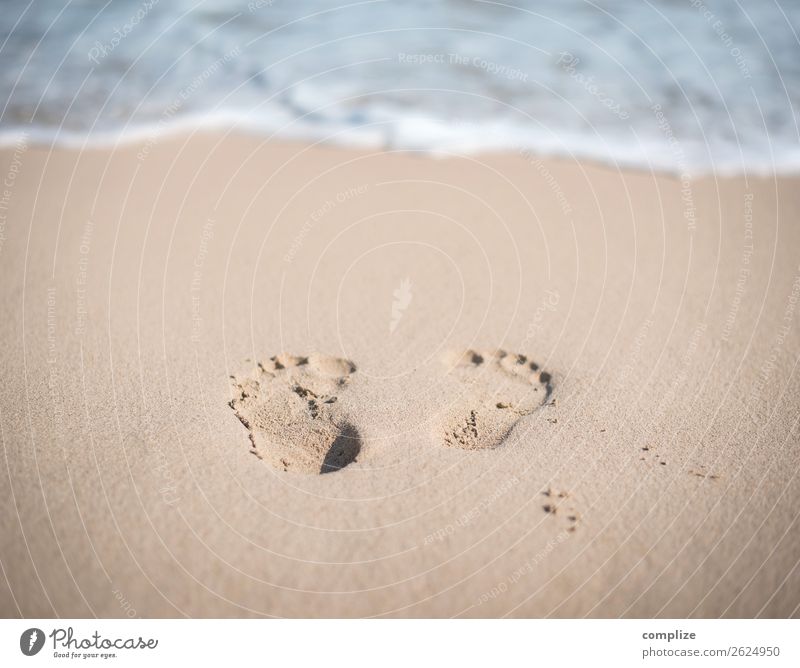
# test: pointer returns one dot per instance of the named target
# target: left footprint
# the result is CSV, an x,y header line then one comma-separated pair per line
x,y
290,405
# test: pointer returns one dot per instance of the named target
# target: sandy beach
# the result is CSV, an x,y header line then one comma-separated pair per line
x,y
255,378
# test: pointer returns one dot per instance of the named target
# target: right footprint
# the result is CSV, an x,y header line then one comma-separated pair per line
x,y
498,389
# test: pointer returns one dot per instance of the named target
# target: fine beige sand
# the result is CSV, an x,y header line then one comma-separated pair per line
x,y
246,378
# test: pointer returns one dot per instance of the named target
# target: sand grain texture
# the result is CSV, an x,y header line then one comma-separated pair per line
x,y
134,289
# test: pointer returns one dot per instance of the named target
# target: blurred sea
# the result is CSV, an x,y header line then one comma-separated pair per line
x,y
675,85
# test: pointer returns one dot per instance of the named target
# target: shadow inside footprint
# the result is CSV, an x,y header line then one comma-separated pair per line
x,y
343,450
291,408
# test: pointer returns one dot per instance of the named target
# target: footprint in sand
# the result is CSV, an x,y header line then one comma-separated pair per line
x,y
558,505
651,456
290,405
496,390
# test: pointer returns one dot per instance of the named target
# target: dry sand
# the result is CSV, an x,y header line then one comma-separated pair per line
x,y
632,451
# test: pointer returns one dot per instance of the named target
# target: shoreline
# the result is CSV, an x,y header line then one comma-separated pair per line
x,y
146,136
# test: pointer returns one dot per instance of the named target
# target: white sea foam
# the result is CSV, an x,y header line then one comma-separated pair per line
x,y
685,87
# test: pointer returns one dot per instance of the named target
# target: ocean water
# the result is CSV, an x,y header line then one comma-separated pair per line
x,y
676,85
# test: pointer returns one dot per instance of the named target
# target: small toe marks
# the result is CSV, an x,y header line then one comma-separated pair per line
x,y
558,505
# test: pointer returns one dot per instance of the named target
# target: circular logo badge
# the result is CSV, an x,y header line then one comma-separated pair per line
x,y
31,641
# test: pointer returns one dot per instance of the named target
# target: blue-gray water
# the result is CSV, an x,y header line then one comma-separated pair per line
x,y
680,85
